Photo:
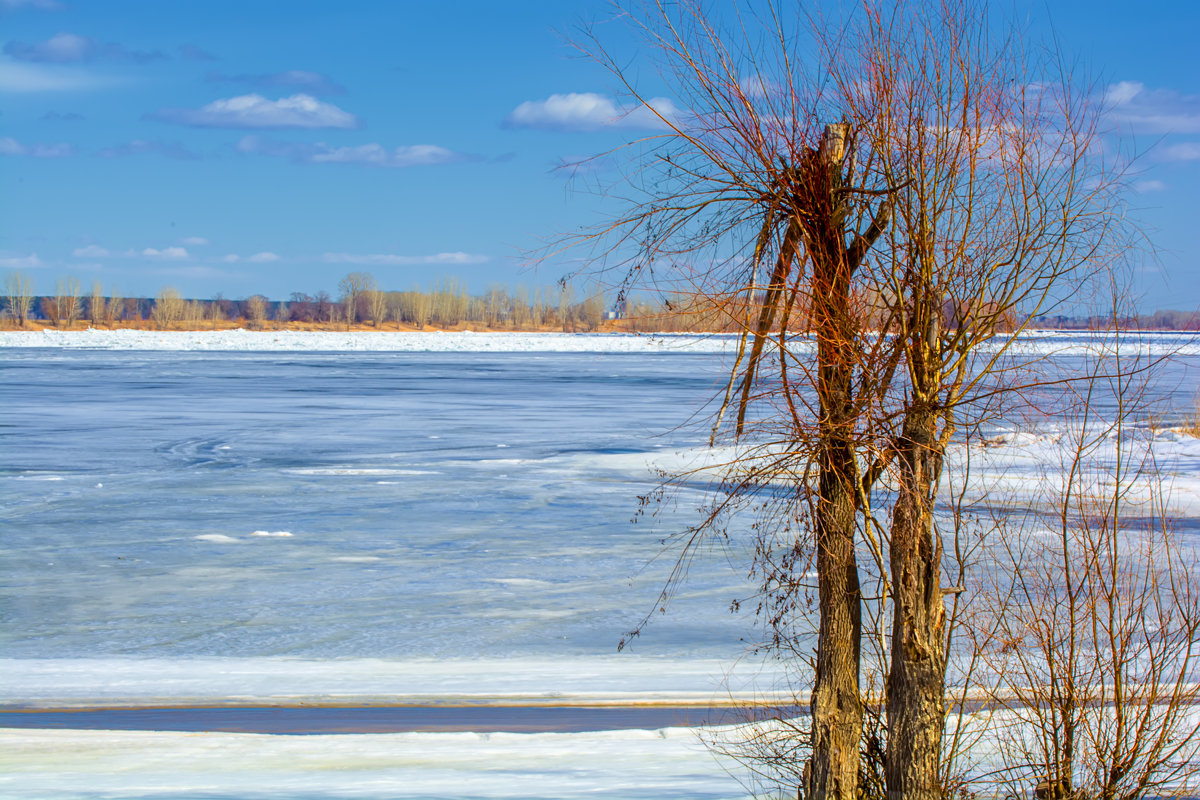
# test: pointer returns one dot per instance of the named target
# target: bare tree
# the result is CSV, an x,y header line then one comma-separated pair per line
x,y
96,305
19,290
354,286
1092,617
115,309
256,310
377,303
66,300
954,174
168,308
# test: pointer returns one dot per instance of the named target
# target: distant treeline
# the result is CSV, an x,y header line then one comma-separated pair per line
x,y
448,304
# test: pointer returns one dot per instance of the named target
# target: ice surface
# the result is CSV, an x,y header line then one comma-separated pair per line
x,y
373,517
630,765
610,679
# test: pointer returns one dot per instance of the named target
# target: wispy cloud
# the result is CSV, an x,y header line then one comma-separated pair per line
x,y
166,253
587,111
54,116
193,53
16,76
1148,186
194,241
256,111
90,251
138,147
68,48
371,155
11,147
265,257
40,5
1184,151
1130,104
30,261
389,259
294,79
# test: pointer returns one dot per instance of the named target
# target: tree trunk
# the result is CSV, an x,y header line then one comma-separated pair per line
x,y
837,712
916,683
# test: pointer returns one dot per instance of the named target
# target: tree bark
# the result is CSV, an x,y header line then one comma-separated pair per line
x,y
837,712
916,682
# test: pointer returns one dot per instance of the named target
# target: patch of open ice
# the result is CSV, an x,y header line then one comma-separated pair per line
x,y
219,538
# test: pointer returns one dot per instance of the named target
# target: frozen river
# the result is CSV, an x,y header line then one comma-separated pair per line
x,y
197,521
340,505
190,527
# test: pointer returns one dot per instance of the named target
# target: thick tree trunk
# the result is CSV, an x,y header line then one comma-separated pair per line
x,y
837,712
916,683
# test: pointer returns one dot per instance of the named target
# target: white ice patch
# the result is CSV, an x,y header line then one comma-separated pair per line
x,y
366,471
668,764
271,533
369,341
622,679
219,538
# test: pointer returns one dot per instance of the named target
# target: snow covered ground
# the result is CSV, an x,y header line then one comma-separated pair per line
x,y
371,341
1030,343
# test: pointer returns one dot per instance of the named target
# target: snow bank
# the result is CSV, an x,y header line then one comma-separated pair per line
x,y
373,341
1031,343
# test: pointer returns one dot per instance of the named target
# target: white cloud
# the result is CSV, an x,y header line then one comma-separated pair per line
x,y
264,257
30,261
1145,187
378,155
256,111
11,147
371,155
194,241
231,258
1185,151
90,251
168,253
1132,105
388,259
588,111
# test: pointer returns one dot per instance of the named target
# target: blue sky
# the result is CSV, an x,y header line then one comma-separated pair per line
x,y
270,147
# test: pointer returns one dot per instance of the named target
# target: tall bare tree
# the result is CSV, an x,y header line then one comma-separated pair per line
x,y
66,300
19,290
957,177
354,286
